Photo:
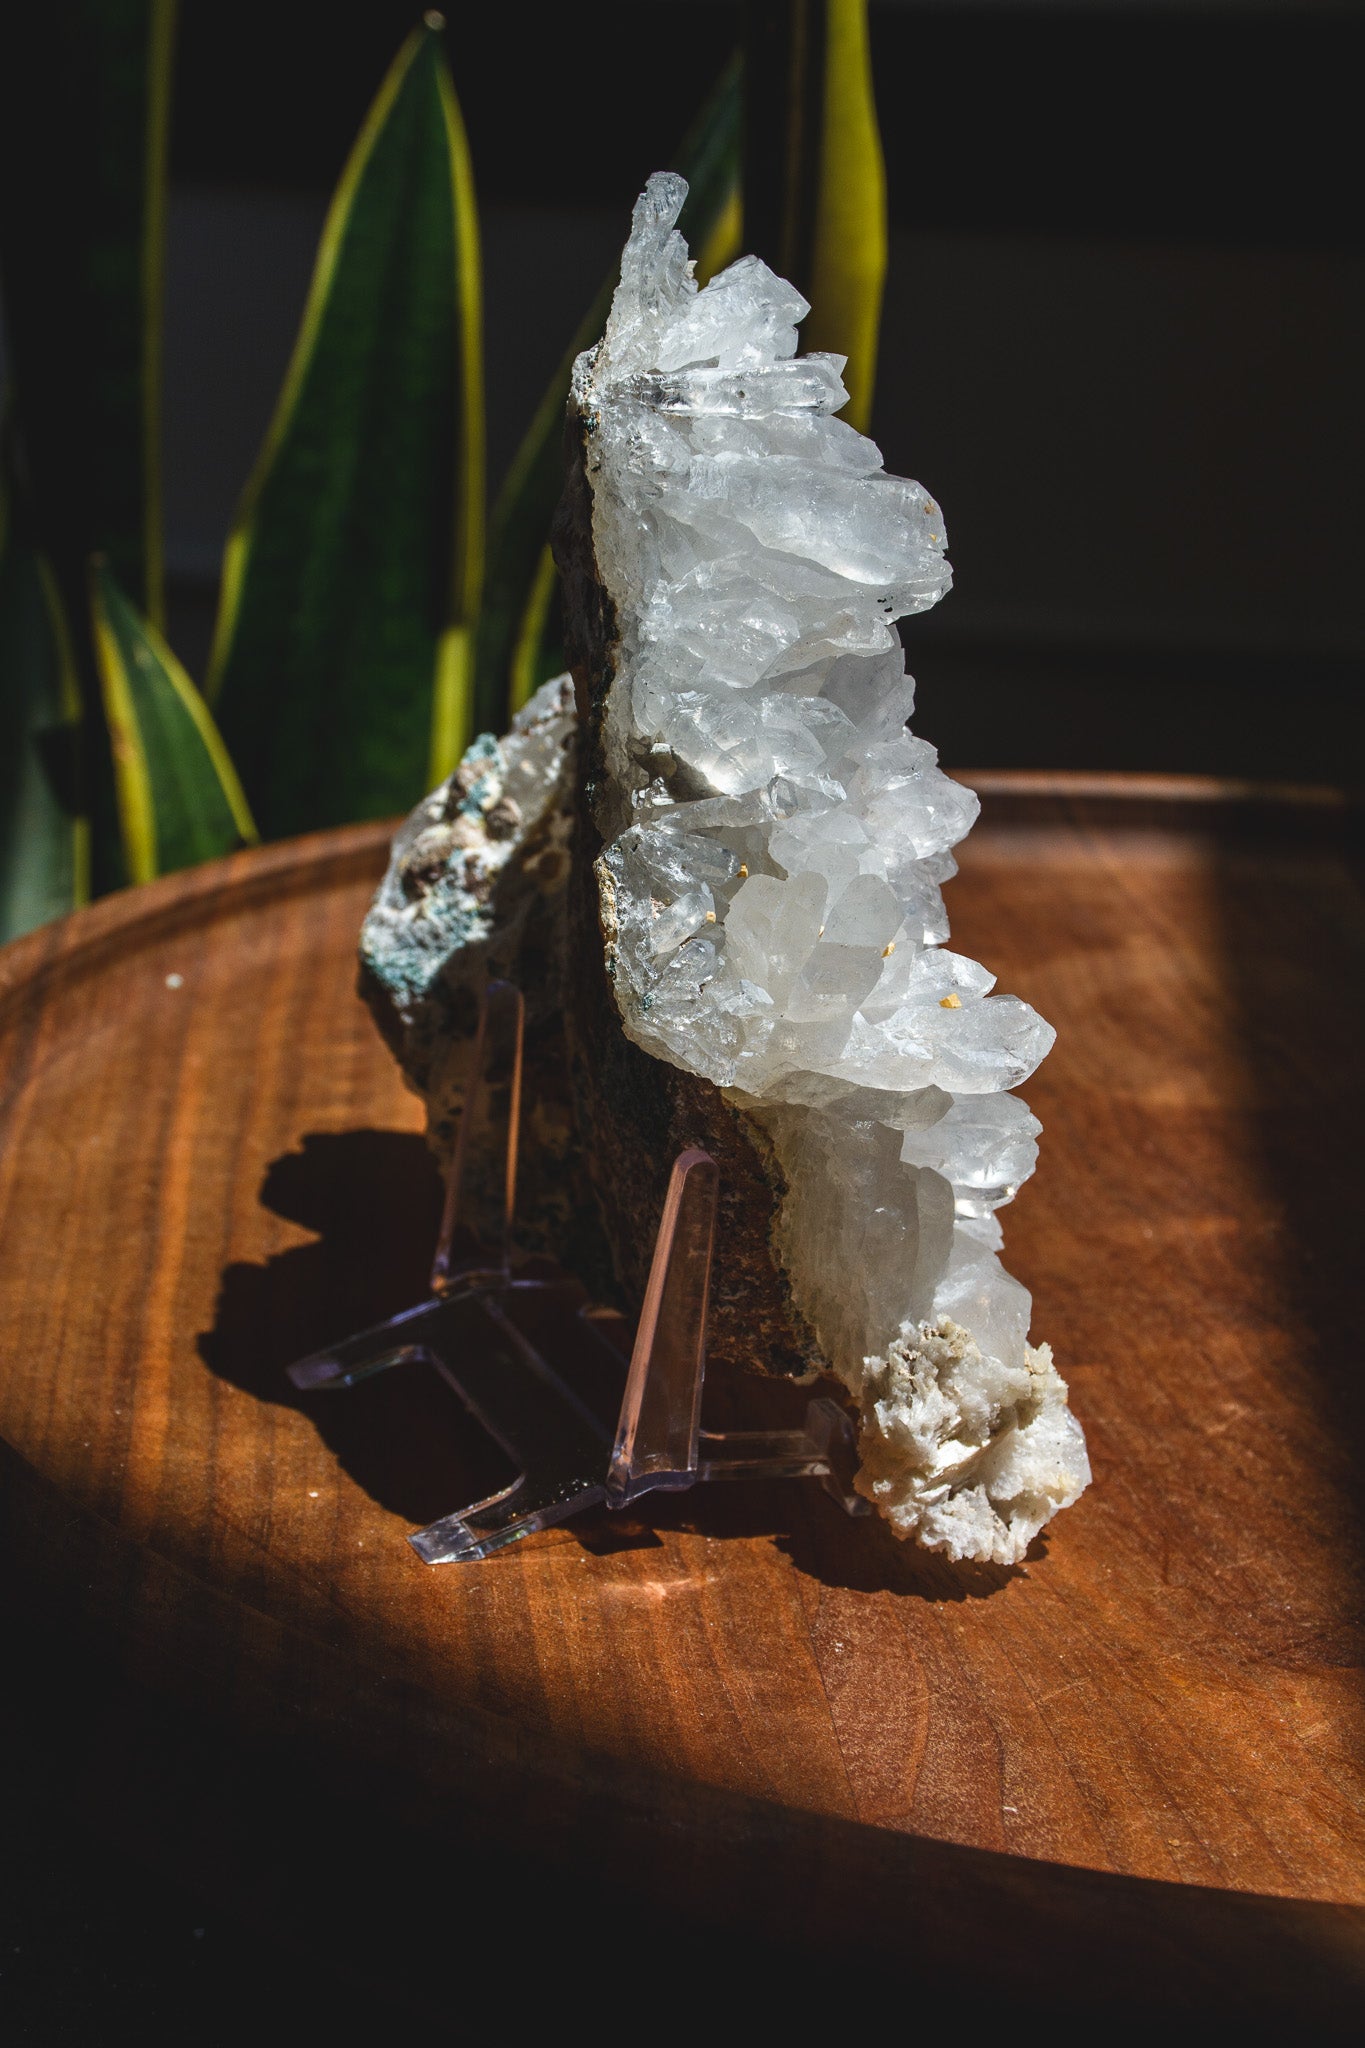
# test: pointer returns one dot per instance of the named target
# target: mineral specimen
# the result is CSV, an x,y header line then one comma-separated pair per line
x,y
755,953
476,890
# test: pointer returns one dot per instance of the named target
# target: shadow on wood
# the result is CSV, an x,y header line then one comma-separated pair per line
x,y
374,1199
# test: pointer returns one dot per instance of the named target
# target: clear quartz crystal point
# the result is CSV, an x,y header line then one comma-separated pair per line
x,y
775,841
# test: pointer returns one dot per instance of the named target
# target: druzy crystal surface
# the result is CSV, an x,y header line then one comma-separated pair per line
x,y
774,845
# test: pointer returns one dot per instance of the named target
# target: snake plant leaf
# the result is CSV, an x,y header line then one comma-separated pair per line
x,y
538,650
516,641
341,668
849,259
814,182
179,800
44,841
84,98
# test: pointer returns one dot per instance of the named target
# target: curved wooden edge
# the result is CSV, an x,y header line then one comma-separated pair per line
x,y
1220,806
266,1715
1078,796
78,942
1123,786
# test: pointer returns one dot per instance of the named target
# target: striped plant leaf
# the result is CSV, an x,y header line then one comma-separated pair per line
x,y
44,841
179,800
516,643
814,184
342,658
848,268
537,652
84,99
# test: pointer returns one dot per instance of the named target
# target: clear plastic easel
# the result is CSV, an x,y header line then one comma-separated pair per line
x,y
584,1414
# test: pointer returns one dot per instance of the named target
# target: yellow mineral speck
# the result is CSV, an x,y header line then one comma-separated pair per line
x,y
710,917
888,949
743,870
952,1002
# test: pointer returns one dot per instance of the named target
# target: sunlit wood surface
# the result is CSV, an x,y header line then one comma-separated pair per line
x,y
208,1166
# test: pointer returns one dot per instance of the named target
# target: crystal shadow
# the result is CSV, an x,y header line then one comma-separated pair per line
x,y
374,1198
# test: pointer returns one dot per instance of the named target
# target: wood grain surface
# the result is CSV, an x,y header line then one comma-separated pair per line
x,y
208,1166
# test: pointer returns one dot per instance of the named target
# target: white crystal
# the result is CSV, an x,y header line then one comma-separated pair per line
x,y
775,842
967,1452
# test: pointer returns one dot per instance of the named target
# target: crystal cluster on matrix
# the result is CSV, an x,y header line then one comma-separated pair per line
x,y
775,844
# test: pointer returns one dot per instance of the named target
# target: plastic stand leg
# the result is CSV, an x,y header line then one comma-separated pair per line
x,y
540,1368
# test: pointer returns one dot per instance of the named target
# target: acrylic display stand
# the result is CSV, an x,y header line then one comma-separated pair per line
x,y
542,1368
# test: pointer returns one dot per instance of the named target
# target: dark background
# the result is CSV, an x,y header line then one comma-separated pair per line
x,y
1122,341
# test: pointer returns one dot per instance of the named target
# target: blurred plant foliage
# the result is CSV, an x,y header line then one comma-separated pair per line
x,y
372,615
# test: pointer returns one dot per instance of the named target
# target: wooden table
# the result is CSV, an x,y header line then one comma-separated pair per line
x,y
1135,1758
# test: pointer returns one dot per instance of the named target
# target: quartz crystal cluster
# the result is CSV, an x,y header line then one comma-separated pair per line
x,y
774,845
757,962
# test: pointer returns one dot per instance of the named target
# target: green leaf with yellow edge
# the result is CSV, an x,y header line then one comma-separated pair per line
x,y
179,799
342,661
848,269
44,840
517,648
84,103
537,652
